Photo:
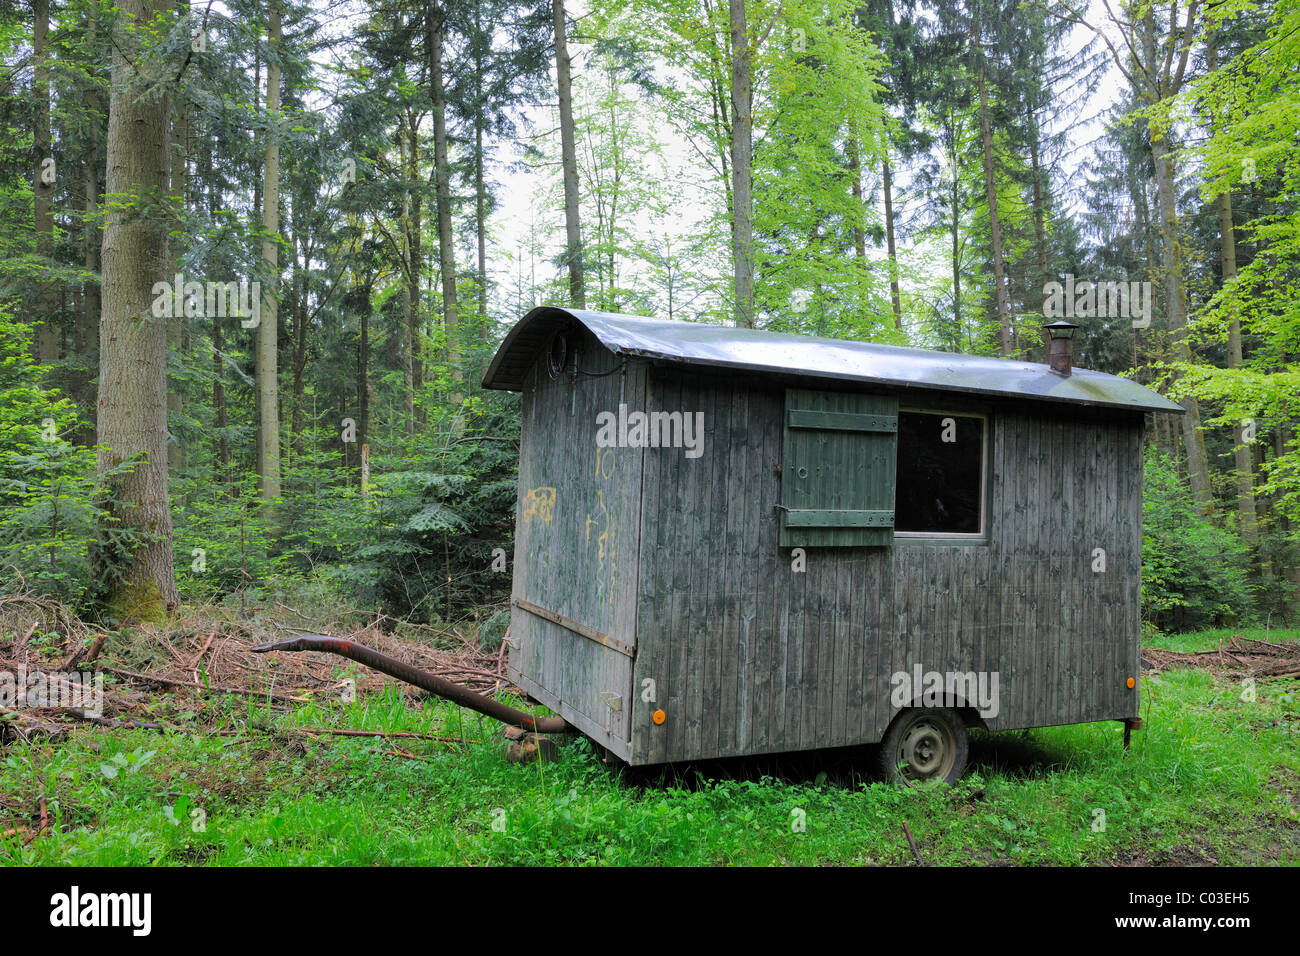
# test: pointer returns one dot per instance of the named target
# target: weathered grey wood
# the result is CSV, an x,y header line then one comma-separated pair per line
x,y
750,657
576,545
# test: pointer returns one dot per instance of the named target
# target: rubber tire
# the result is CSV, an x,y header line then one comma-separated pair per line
x,y
890,746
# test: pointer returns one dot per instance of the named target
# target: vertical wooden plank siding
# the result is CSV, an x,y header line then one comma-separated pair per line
x,y
577,542
751,657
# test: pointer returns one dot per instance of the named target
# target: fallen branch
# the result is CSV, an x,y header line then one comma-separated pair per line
x,y
219,688
382,733
400,753
84,654
202,650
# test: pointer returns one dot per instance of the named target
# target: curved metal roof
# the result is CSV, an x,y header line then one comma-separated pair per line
x,y
809,357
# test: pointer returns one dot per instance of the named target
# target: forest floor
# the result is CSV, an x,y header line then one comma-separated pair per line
x,y
208,754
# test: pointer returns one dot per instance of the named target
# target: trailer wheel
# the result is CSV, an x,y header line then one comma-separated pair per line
x,y
924,743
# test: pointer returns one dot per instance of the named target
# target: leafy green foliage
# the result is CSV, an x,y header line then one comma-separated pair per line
x,y
55,534
1193,574
420,543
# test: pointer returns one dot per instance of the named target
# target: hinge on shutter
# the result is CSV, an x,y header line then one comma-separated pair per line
x,y
837,518
841,421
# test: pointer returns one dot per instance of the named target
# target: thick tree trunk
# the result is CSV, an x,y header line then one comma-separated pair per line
x,y
133,342
742,152
268,391
573,253
446,248
46,344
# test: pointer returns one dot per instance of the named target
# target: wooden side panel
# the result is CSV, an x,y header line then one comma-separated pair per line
x,y
755,649
577,532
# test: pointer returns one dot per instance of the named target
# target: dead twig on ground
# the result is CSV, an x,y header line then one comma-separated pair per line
x,y
912,843
217,688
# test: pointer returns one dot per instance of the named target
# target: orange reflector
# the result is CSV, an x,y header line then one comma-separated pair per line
x,y
1131,683
658,716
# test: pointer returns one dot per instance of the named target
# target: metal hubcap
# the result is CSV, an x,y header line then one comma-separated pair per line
x,y
927,750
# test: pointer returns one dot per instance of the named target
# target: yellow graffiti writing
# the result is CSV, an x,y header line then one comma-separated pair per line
x,y
606,568
540,503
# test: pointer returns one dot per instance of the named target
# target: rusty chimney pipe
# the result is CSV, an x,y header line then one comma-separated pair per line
x,y
1060,347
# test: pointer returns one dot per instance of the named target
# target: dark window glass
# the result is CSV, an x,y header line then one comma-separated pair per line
x,y
940,462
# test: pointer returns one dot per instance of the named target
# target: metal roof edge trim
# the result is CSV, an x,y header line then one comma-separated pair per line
x,y
612,331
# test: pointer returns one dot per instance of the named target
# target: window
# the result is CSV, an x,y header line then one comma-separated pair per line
x,y
857,471
940,477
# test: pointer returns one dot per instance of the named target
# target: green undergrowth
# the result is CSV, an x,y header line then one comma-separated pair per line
x,y
1212,778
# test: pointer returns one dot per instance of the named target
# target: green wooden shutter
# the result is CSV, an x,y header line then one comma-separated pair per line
x,y
837,469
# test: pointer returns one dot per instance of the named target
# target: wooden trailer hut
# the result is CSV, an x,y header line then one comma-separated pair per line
x,y
734,542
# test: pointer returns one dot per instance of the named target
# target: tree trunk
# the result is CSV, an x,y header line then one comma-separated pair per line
x,y
991,195
894,297
955,235
133,342
573,253
1040,215
480,187
298,309
179,150
363,371
220,445
446,248
413,275
268,397
46,345
1242,457
742,153
410,287
859,234
87,332
1198,467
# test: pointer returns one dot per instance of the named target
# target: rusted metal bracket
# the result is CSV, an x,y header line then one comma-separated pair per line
x,y
456,693
577,627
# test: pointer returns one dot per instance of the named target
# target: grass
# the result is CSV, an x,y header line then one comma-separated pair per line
x,y
1212,778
